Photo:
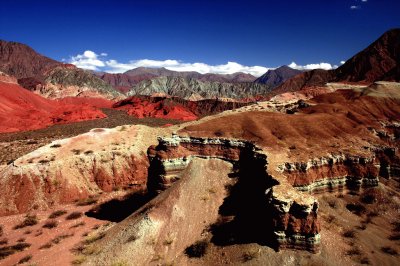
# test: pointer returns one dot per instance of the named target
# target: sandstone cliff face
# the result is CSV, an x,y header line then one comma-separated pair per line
x,y
71,169
293,221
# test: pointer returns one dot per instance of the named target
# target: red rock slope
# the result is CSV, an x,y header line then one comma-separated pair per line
x,y
21,109
155,107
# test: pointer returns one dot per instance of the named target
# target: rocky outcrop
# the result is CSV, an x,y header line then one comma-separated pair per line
x,y
341,170
75,168
294,221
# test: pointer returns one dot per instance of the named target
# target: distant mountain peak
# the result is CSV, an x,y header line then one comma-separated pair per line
x,y
275,77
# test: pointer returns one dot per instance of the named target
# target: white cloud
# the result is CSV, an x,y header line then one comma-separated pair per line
x,y
175,65
355,7
98,62
342,62
92,61
364,1
321,65
88,60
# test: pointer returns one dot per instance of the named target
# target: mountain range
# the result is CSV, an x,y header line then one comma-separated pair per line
x,y
379,61
159,92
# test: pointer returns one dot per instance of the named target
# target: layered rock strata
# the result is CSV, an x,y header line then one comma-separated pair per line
x,y
293,220
337,171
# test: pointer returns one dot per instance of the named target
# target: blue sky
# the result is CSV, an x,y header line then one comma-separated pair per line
x,y
211,33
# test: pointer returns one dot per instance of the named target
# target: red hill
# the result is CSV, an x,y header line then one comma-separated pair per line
x,y
21,109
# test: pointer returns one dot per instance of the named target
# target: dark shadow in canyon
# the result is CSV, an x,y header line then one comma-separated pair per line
x,y
245,215
117,210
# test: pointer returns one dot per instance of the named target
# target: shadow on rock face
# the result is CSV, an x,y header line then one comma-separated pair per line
x,y
117,210
245,216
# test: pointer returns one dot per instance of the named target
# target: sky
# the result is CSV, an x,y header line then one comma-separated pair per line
x,y
198,35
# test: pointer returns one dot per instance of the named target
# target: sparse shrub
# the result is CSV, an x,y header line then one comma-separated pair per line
x,y
349,233
27,232
9,250
168,241
332,203
365,260
59,238
76,151
396,226
372,214
96,226
46,246
74,215
85,202
88,152
4,241
132,238
30,220
356,208
330,218
77,225
44,161
57,213
78,260
211,191
25,259
362,227
354,251
197,250
55,146
250,255
389,250
32,142
50,224
39,232
91,239
368,198
1,230
292,147
394,237
21,240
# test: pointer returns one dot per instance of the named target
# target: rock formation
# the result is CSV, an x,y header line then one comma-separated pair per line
x,y
74,168
294,222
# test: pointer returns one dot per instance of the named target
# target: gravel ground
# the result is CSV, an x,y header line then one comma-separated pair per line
x,y
14,145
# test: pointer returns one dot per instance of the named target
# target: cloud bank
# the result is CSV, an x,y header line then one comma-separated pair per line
x,y
99,62
325,66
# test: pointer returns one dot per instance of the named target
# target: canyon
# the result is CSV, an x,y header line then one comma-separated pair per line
x,y
162,167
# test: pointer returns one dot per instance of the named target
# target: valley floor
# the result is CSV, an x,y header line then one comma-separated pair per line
x,y
14,145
